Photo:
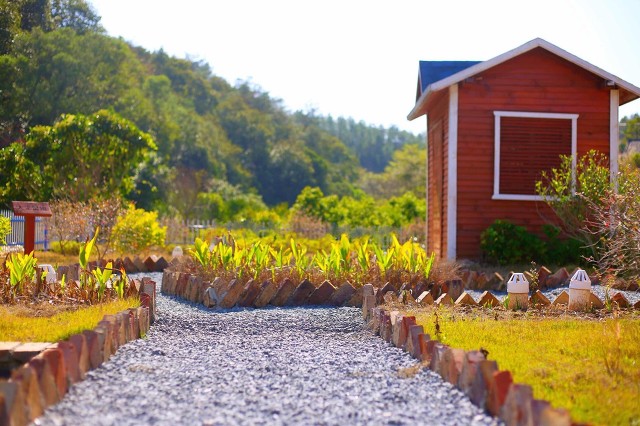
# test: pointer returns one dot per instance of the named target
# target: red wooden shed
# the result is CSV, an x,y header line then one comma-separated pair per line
x,y
493,126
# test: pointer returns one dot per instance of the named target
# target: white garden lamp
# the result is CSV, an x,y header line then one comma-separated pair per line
x,y
518,291
177,252
579,291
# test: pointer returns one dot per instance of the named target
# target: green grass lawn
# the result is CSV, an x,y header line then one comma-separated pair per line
x,y
16,326
590,367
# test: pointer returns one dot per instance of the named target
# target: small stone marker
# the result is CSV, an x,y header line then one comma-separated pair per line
x,y
481,382
423,340
413,343
14,403
468,372
26,351
46,380
342,294
488,300
230,297
286,288
558,279
518,291
498,389
562,299
322,295
543,274
622,301
579,291
517,405
539,299
268,289
595,301
301,293
249,294
444,299
425,298
466,299
455,288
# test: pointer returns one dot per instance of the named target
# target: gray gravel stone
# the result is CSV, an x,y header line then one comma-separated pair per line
x,y
275,366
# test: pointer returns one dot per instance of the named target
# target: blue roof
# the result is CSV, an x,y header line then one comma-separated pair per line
x,y
432,71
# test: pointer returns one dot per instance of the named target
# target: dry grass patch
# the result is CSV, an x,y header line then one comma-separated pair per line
x,y
38,323
588,364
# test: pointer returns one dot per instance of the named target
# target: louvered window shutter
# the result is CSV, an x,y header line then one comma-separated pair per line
x,y
527,147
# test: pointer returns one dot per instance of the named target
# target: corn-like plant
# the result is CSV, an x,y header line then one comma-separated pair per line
x,y
85,251
281,258
344,251
340,260
119,284
22,268
102,277
201,253
383,259
261,258
322,262
363,255
428,265
225,256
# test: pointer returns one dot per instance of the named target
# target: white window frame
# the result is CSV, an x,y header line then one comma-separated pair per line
x,y
496,159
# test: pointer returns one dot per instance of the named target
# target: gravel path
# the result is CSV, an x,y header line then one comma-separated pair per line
x,y
273,366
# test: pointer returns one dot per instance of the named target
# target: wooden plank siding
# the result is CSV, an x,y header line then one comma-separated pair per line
x,y
437,169
536,81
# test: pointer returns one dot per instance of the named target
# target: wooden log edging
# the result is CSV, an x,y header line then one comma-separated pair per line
x,y
151,263
228,294
480,379
49,370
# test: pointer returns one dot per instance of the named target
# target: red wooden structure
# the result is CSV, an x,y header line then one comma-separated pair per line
x,y
30,209
493,126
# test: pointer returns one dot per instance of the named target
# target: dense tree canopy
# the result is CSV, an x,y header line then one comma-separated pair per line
x,y
59,71
77,158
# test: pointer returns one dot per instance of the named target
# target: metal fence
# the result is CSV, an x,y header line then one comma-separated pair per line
x,y
16,237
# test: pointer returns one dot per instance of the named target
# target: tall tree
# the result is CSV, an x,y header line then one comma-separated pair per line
x,y
75,14
83,156
9,24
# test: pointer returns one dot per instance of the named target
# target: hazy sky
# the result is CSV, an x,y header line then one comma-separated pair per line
x,y
360,58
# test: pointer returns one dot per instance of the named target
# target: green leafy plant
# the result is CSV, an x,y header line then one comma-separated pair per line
x,y
301,262
506,243
201,252
22,269
571,194
137,231
85,251
120,284
383,259
505,301
102,277
5,229
428,266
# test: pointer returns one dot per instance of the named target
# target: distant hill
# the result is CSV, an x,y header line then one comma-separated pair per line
x,y
57,60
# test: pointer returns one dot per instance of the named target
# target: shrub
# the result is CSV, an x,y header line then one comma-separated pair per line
x,y
5,229
615,221
506,243
573,202
66,247
69,222
103,214
137,231
559,251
